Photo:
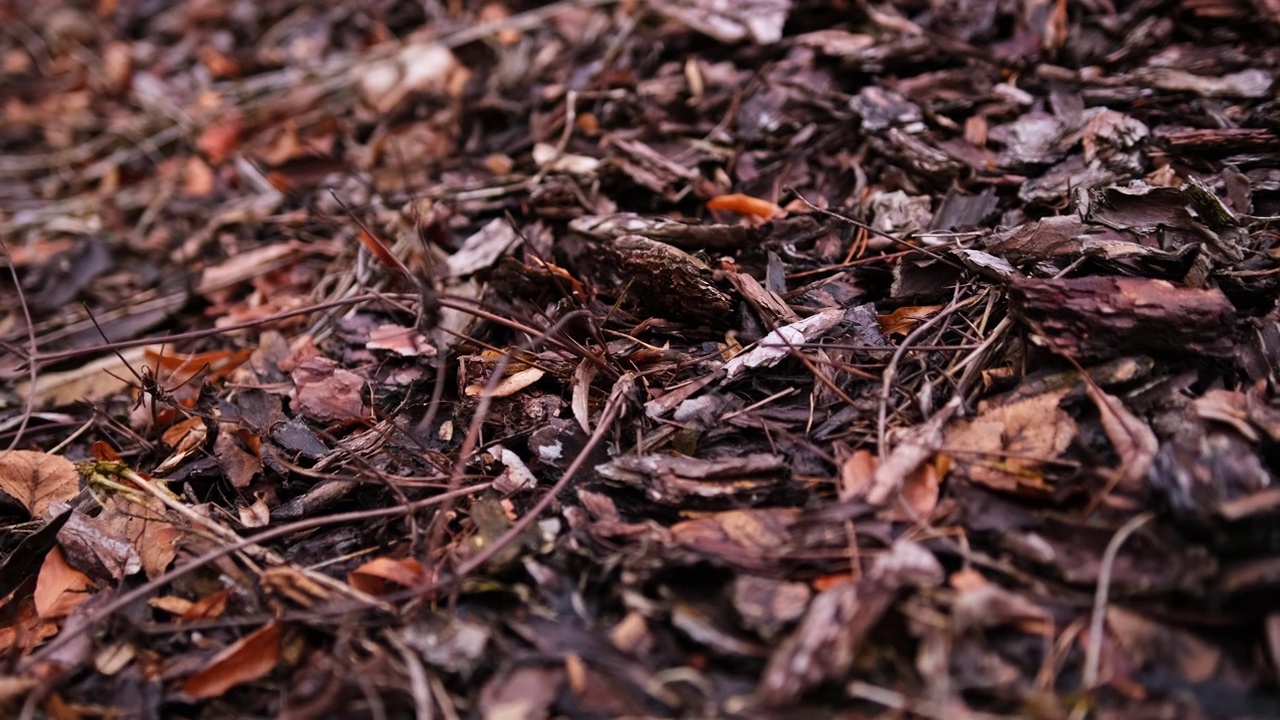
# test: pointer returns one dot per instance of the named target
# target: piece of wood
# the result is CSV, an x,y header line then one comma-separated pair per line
x,y
1107,317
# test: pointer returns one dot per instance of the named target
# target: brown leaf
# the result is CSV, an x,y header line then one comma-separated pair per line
x,y
249,659
910,455
222,138
741,536
905,319
239,465
125,537
59,587
327,392
23,628
855,474
37,479
372,577
1004,447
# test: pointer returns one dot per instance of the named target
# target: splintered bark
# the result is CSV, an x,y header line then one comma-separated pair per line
x,y
1103,317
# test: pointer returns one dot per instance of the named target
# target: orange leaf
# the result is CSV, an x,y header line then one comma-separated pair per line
x,y
60,588
823,583
208,607
248,659
855,475
197,178
180,368
103,452
370,578
23,628
379,249
222,138
745,205
186,435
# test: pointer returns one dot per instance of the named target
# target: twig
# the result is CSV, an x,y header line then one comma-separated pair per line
x,y
1093,654
890,371
29,405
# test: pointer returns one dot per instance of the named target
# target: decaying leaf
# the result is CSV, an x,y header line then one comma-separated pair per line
x,y
1006,446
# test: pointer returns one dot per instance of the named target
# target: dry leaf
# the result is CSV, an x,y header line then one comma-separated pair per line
x,y
1133,439
37,479
125,537
745,205
250,658
1004,447
583,376
510,385
180,368
256,514
379,250
855,474
222,138
905,319
327,392
90,382
371,578
208,607
418,67
401,340
60,588
23,628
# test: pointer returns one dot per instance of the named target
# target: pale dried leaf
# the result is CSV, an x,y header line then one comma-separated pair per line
x,y
37,479
510,384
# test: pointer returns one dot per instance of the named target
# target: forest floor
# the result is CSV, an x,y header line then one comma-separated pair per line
x,y
652,358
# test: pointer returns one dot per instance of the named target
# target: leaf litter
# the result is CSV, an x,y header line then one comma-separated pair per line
x,y
676,359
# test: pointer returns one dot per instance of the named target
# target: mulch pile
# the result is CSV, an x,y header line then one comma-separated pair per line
x,y
658,358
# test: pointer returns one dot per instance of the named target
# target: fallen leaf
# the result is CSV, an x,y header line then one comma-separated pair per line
x,y
745,205
60,588
1005,446
905,319
509,385
222,138
248,659
372,577
327,392
37,479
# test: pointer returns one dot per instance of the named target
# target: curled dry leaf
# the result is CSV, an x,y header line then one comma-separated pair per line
x,y
781,342
1132,438
510,385
746,205
515,475
905,319
418,67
